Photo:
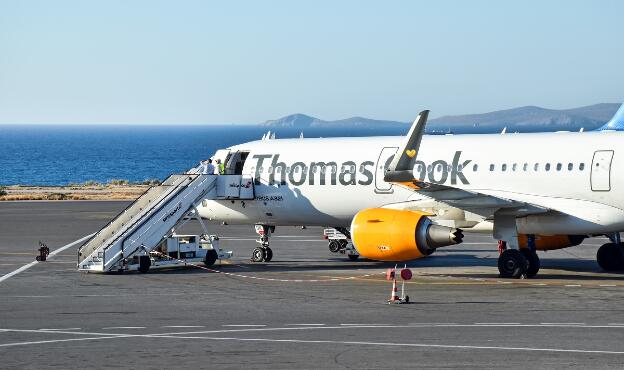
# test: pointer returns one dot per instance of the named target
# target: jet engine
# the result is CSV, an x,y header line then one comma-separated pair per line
x,y
551,242
398,235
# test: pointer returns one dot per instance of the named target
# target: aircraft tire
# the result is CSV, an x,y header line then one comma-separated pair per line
x,y
334,246
257,255
610,257
268,254
534,262
353,257
211,258
512,264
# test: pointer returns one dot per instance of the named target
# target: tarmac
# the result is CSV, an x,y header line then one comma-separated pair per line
x,y
306,309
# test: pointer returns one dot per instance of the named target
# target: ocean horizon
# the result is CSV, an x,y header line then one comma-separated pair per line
x,y
58,155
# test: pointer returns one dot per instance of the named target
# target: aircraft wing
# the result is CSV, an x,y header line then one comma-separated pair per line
x,y
400,172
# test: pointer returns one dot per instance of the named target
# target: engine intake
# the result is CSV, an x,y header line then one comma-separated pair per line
x,y
397,235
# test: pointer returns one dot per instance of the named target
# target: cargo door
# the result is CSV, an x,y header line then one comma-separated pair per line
x,y
601,170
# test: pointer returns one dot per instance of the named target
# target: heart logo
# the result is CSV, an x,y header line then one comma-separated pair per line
x,y
410,153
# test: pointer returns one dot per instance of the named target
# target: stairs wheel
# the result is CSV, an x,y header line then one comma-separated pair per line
x,y
144,264
211,257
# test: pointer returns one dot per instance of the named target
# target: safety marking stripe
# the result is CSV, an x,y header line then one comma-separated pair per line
x,y
267,279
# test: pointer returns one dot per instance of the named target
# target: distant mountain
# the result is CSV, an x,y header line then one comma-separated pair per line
x,y
523,119
299,120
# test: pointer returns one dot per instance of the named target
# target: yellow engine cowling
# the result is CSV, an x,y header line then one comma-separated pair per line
x,y
397,235
550,242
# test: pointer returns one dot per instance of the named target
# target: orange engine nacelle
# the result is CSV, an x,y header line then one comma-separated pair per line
x,y
550,242
396,235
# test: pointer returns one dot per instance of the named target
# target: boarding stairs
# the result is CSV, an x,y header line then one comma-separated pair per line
x,y
152,217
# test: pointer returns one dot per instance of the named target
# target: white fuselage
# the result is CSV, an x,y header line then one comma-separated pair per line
x,y
577,178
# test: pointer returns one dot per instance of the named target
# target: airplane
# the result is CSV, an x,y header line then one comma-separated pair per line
x,y
400,198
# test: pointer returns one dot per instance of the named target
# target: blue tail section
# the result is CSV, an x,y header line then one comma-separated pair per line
x,y
616,123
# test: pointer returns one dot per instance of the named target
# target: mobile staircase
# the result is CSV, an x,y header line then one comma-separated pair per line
x,y
153,217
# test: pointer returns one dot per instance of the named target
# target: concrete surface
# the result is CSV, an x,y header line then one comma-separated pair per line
x,y
307,308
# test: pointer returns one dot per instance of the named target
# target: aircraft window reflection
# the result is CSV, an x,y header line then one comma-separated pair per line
x,y
459,167
475,168
570,166
491,167
547,167
558,166
513,167
536,167
524,167
270,169
581,166
504,167
429,168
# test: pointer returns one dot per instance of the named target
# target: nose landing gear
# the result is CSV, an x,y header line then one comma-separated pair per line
x,y
263,253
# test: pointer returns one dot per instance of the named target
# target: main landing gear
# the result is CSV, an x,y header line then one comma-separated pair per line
x,y
610,256
263,253
517,263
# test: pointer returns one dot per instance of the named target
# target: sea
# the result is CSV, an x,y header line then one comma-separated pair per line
x,y
49,155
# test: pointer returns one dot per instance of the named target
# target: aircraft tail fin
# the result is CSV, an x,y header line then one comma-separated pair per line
x,y
616,123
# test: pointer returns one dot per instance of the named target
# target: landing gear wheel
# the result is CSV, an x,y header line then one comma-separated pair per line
x,y
534,262
268,254
334,246
353,257
610,257
512,264
211,257
257,255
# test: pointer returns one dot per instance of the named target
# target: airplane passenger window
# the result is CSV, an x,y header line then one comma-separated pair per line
x,y
475,167
513,168
547,167
419,168
524,167
491,167
581,166
504,167
429,168
536,167
558,166
270,169
439,168
570,166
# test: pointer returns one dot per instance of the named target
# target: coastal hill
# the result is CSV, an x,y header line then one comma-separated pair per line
x,y
522,119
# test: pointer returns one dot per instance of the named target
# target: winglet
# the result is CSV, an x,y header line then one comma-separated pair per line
x,y
400,169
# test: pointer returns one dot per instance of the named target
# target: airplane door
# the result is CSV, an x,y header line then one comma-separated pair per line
x,y
380,168
601,170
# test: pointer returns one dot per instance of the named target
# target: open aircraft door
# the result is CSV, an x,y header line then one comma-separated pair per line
x,y
385,157
233,183
601,170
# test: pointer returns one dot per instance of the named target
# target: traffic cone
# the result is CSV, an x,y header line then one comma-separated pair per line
x,y
394,295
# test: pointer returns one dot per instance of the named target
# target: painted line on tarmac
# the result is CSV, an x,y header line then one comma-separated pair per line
x,y
395,344
124,327
304,325
183,326
185,335
65,329
52,254
245,325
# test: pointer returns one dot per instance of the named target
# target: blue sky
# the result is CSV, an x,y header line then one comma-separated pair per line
x,y
168,62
